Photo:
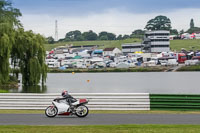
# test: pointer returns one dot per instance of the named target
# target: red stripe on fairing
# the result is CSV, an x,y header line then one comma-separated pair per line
x,y
66,113
83,100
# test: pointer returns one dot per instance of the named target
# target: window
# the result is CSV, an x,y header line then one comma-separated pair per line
x,y
159,46
183,57
129,47
160,40
158,34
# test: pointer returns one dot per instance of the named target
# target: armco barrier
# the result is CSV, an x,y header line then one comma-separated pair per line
x,y
97,101
174,102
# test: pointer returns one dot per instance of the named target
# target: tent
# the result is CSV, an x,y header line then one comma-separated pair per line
x,y
77,57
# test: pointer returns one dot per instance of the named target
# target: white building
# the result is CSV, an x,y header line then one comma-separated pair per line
x,y
156,41
131,48
111,51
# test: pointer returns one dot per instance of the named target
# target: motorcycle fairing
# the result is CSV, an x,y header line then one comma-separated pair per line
x,y
62,107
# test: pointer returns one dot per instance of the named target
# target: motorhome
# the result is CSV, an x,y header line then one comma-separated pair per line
x,y
52,63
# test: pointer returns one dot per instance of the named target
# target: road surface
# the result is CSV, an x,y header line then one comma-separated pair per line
x,y
99,119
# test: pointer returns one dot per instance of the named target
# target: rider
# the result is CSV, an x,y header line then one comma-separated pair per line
x,y
68,97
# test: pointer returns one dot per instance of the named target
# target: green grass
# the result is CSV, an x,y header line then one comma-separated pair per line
x,y
103,129
4,91
104,112
115,43
135,69
189,68
176,45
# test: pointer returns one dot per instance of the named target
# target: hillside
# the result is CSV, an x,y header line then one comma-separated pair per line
x,y
176,45
115,43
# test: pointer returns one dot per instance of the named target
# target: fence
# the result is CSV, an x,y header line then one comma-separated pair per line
x,y
105,101
97,101
174,102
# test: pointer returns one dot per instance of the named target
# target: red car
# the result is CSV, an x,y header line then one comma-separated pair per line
x,y
196,58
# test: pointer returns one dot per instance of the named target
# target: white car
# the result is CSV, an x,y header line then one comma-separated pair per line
x,y
191,62
163,62
172,62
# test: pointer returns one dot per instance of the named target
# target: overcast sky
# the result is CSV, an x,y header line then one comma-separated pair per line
x,y
117,16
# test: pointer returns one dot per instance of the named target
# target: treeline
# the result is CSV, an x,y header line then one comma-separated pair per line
x,y
102,36
157,23
92,36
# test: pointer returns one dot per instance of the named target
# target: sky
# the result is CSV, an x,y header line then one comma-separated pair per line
x,y
116,16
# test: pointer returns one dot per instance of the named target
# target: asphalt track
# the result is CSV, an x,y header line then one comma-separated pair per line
x,y
99,119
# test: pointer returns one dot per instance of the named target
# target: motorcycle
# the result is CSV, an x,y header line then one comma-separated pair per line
x,y
62,107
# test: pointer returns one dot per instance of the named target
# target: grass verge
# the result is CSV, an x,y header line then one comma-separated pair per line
x,y
175,45
105,44
136,69
189,68
103,112
4,91
103,129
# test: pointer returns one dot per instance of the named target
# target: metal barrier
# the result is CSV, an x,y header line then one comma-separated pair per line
x,y
97,101
174,102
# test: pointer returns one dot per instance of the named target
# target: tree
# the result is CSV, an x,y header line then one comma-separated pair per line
x,y
181,32
50,40
119,37
126,37
25,48
80,38
174,32
74,36
8,23
138,33
90,36
111,36
103,33
103,37
30,53
191,24
106,36
192,28
159,23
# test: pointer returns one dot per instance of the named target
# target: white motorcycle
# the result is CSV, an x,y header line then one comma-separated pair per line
x,y
61,107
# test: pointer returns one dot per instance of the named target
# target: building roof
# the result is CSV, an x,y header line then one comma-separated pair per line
x,y
132,44
78,50
157,31
109,49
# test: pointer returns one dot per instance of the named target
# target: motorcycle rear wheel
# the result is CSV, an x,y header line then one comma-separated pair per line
x,y
51,111
82,111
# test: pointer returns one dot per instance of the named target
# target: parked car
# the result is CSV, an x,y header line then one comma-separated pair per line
x,y
172,62
196,58
163,62
191,62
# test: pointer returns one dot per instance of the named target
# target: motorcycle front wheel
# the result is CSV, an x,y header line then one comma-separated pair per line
x,y
82,111
51,111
